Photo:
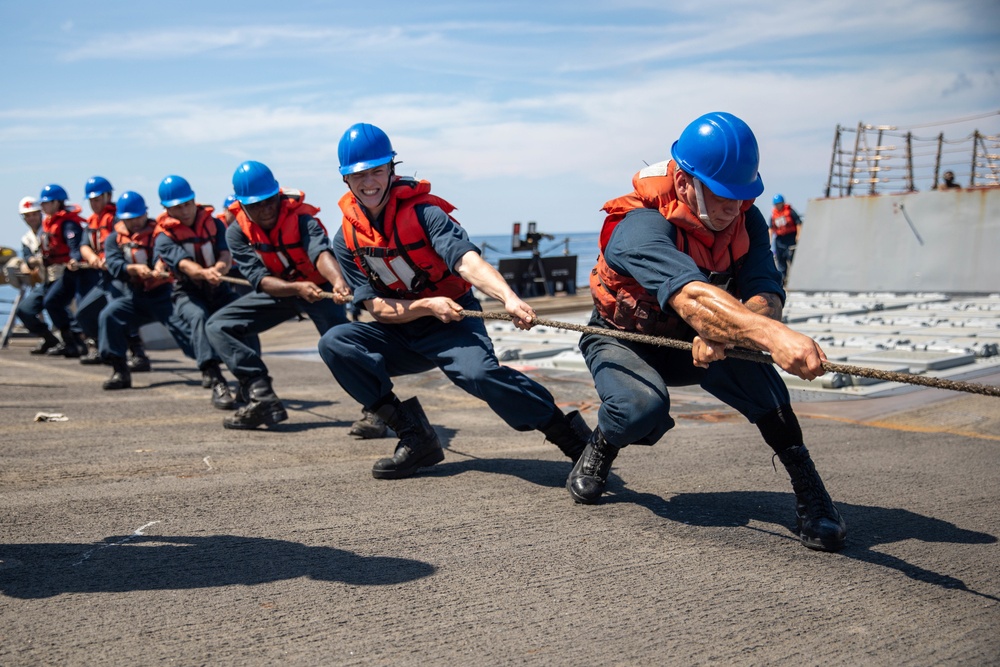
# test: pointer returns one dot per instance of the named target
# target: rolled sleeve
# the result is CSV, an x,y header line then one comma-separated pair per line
x,y
759,275
249,263
643,247
449,240
114,259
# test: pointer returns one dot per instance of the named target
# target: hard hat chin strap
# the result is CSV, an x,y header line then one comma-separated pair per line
x,y
700,196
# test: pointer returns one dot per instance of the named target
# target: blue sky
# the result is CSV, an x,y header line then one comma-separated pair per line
x,y
513,110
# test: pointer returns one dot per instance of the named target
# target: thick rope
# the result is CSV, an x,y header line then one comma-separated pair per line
x,y
759,357
748,355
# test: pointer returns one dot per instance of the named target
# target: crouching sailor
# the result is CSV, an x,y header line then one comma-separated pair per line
x,y
145,287
192,243
282,249
412,267
686,256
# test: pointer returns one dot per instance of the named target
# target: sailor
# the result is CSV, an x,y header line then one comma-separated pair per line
x,y
784,229
102,289
948,181
282,249
192,243
412,267
686,256
62,232
145,286
100,224
30,272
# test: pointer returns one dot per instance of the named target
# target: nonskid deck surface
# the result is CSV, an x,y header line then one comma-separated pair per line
x,y
140,516
923,333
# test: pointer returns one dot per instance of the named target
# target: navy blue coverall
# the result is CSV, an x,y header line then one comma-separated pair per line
x,y
365,356
55,297
632,378
136,306
232,330
194,302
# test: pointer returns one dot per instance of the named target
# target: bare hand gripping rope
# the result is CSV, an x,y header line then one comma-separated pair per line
x,y
748,355
759,357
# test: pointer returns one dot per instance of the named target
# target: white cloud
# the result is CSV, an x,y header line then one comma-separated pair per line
x,y
567,107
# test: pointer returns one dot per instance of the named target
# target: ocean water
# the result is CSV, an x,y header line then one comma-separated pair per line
x,y
7,295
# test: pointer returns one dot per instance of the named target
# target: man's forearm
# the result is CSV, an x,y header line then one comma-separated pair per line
x,y
716,315
766,304
477,272
329,268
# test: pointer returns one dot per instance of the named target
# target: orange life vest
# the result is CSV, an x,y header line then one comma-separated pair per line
x,y
282,249
198,240
99,227
400,262
782,222
621,300
233,208
55,250
138,249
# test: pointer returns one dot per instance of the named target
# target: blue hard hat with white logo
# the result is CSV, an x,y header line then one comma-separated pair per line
x,y
721,151
254,182
131,205
778,200
97,186
230,200
175,190
362,147
53,192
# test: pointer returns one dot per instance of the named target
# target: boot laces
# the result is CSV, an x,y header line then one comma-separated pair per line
x,y
811,494
597,463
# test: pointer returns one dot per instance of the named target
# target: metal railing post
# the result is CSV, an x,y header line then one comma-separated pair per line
x,y
854,158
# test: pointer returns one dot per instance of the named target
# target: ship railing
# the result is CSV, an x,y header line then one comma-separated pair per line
x,y
881,159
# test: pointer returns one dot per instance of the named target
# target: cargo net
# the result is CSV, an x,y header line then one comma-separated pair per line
x,y
883,159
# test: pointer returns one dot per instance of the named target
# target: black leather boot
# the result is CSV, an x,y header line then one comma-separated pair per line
x,y
120,378
819,524
49,341
222,399
93,355
138,362
569,433
263,407
418,445
69,347
589,476
369,427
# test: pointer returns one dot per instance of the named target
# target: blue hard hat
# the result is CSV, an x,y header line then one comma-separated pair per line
x,y
97,186
53,192
230,200
778,200
175,190
254,182
720,150
362,147
131,205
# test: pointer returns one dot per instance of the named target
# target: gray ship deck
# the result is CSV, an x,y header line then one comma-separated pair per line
x,y
139,531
